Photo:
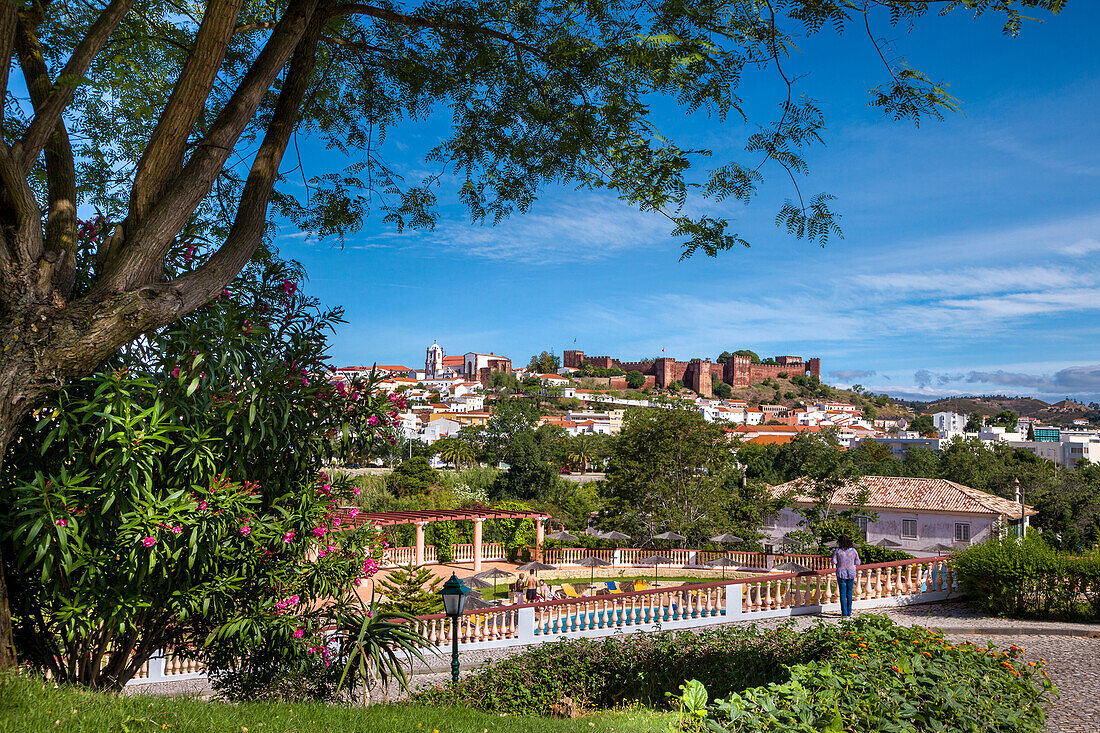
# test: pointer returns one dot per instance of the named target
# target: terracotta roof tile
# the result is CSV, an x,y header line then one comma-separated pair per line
x,y
928,494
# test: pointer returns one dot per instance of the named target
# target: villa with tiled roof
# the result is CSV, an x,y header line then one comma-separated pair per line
x,y
913,513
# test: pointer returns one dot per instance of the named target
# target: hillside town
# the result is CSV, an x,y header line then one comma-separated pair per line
x,y
453,392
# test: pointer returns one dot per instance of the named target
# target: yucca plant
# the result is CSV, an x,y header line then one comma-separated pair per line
x,y
379,645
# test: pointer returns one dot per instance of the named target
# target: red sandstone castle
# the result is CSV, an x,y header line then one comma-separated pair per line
x,y
738,371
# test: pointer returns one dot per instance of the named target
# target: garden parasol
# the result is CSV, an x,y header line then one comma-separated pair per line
x,y
494,573
593,562
655,560
722,562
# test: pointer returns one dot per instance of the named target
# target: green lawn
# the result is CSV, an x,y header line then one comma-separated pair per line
x,y
28,705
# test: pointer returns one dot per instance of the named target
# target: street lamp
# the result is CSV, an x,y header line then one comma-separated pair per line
x,y
454,603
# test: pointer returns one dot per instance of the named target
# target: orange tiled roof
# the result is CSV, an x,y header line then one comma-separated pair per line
x,y
919,494
453,360
770,439
394,368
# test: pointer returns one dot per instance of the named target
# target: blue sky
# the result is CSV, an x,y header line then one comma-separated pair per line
x,y
969,260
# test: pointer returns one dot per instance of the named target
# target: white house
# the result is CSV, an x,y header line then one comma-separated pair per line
x,y
913,512
949,423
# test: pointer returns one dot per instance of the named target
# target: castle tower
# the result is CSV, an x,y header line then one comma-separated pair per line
x,y
433,362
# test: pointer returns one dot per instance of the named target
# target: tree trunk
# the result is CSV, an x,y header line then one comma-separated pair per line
x,y
42,347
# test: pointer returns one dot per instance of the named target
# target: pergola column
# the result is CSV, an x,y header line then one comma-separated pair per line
x,y
420,542
540,535
477,544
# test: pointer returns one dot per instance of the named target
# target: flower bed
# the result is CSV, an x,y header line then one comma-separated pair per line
x,y
878,676
866,674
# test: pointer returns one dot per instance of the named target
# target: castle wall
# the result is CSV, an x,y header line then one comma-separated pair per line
x,y
738,371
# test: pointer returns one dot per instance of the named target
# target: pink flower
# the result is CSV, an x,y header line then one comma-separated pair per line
x,y
341,388
246,530
289,288
322,553
298,633
177,529
202,505
356,490
149,541
372,420
353,512
336,522
288,537
176,373
318,531
189,253
305,382
62,522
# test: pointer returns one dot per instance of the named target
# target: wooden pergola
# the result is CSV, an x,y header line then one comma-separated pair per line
x,y
422,517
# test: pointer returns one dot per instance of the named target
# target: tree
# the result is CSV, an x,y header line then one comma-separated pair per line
x,y
635,379
669,471
824,471
1004,419
534,460
412,590
974,423
1030,431
753,356
722,390
413,476
455,451
174,499
145,112
923,424
545,363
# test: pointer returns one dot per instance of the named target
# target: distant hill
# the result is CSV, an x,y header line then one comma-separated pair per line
x,y
1060,413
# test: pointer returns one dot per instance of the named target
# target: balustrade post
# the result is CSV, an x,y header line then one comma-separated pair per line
x,y
616,557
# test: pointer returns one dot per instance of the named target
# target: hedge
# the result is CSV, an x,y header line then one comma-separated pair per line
x,y
1011,578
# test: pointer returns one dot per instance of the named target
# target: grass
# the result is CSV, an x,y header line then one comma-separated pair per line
x,y
29,704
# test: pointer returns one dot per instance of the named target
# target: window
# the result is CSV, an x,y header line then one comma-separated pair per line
x,y
770,521
909,529
862,523
962,531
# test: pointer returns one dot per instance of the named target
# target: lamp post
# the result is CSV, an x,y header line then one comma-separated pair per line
x,y
454,603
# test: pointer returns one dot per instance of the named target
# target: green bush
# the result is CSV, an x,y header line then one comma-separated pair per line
x,y
602,673
871,554
1030,578
878,676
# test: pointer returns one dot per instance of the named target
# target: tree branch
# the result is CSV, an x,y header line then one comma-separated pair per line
x,y
45,120
248,227
57,265
9,14
163,157
412,21
139,258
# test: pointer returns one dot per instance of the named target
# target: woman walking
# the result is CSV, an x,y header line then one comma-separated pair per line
x,y
845,559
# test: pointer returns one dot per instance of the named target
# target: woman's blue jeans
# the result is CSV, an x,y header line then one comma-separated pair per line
x,y
845,595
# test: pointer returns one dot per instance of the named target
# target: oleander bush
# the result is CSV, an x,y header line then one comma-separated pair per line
x,y
602,673
1030,578
878,676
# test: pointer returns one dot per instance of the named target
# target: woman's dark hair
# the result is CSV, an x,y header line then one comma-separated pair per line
x,y
845,542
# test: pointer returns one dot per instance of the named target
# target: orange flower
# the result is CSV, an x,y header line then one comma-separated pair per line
x,y
854,656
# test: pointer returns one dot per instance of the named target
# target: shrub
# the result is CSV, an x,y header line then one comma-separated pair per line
x,y
871,554
601,673
883,677
1029,578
